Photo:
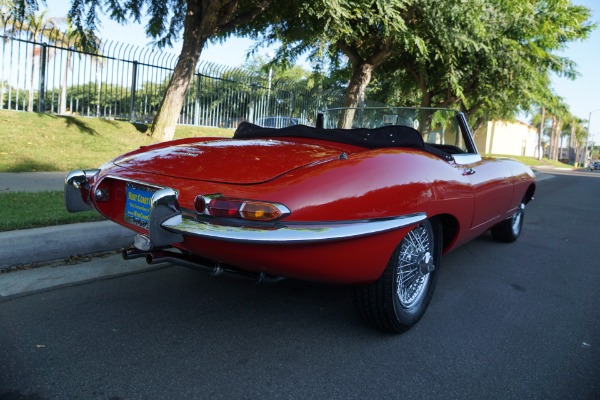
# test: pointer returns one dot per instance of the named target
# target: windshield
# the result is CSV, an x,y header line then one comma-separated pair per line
x,y
436,126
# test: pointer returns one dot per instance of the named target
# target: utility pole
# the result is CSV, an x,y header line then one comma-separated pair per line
x,y
540,149
587,145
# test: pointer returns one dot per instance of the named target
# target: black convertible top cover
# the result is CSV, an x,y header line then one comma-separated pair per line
x,y
386,136
376,138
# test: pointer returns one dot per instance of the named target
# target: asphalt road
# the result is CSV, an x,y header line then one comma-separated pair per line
x,y
507,321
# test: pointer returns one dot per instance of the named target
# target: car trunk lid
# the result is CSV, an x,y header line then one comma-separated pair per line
x,y
229,160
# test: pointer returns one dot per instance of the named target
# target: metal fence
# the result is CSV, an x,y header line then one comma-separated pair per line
x,y
46,70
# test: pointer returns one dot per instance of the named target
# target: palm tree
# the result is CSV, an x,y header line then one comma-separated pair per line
x,y
558,112
38,27
7,8
73,40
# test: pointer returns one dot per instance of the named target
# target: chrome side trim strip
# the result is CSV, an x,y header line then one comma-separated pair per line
x,y
292,232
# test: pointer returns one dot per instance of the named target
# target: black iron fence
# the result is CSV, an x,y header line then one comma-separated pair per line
x,y
46,70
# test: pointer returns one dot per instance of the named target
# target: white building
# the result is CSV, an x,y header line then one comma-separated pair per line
x,y
507,138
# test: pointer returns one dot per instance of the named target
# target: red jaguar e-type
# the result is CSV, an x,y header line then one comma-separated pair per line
x,y
375,206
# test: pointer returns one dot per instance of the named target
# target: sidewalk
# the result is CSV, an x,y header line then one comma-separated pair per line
x,y
30,247
51,243
31,181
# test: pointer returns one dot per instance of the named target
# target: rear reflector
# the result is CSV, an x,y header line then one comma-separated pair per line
x,y
200,204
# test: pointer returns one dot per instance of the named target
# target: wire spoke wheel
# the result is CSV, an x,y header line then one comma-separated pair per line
x,y
510,229
414,265
399,298
516,220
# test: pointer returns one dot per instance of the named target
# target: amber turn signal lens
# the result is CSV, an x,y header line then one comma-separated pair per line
x,y
251,210
259,211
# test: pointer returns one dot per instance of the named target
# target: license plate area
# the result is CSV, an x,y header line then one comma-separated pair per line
x,y
137,204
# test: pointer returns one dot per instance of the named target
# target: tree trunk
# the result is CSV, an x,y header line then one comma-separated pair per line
x,y
558,137
203,18
34,57
361,77
572,144
553,139
362,71
62,103
194,38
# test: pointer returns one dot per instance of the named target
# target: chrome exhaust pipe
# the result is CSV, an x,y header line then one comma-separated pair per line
x,y
133,253
213,268
159,256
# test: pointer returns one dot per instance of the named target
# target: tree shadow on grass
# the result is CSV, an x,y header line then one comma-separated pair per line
x,y
29,165
142,128
82,126
80,123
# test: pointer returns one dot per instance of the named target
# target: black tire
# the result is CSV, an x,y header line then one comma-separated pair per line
x,y
393,308
510,229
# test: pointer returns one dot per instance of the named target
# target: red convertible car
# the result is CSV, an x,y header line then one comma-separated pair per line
x,y
375,205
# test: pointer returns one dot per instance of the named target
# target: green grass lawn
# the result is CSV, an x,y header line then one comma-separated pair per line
x,y
44,142
22,210
534,162
31,142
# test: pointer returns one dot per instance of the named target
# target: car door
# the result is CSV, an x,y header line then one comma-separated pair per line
x,y
490,179
492,187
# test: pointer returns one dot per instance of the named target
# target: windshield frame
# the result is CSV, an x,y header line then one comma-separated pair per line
x,y
462,128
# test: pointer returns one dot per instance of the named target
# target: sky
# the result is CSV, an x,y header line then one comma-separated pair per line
x,y
582,95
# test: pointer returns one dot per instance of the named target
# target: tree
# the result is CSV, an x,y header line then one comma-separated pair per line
x,y
7,9
18,10
364,32
74,40
37,27
196,20
575,135
490,59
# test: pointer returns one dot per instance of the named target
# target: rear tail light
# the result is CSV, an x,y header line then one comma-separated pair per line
x,y
223,207
251,210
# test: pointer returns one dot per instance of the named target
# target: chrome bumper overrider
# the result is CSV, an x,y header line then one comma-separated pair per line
x,y
77,190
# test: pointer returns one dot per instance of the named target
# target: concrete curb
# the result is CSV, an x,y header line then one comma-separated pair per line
x,y
27,281
52,243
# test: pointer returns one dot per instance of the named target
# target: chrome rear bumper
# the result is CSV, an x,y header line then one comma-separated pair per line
x,y
291,232
168,225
